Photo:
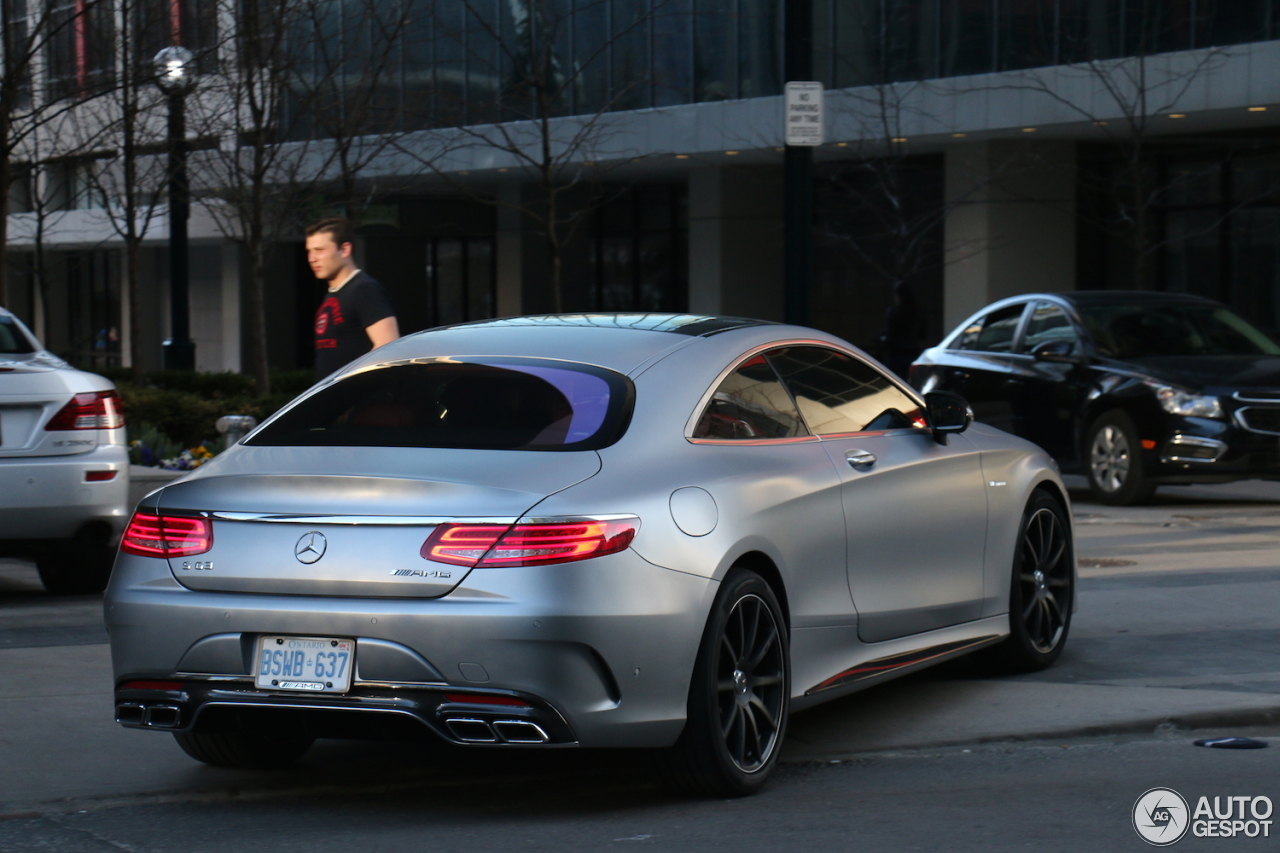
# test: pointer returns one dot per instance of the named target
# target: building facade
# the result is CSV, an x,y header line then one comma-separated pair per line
x,y
509,156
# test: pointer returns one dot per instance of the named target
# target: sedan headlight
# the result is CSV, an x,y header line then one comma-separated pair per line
x,y
1178,402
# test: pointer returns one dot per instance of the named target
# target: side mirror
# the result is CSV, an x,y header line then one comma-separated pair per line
x,y
948,413
1057,352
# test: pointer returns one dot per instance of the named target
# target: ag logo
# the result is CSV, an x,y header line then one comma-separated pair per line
x,y
1160,816
310,547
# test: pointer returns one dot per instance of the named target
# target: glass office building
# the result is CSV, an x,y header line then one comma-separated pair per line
x,y
974,149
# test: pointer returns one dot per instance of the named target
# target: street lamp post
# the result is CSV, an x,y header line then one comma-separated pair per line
x,y
175,75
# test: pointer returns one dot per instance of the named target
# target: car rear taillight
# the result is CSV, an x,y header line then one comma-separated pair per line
x,y
91,410
167,535
528,544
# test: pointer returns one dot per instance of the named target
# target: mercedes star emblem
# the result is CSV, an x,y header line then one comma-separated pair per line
x,y
310,547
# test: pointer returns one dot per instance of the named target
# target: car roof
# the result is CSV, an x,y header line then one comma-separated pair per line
x,y
695,325
618,341
1118,297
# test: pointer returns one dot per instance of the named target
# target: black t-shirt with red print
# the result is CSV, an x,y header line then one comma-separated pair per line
x,y
342,318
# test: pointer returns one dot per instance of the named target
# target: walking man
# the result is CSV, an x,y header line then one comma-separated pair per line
x,y
356,315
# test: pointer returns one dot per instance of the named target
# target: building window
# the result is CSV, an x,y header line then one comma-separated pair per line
x,y
461,284
158,24
20,188
81,42
1212,227
73,184
639,254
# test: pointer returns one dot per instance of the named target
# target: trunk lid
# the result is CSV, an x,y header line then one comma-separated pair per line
x,y
32,390
357,528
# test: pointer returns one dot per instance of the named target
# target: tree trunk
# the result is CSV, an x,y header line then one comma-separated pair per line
x,y
132,249
260,361
6,175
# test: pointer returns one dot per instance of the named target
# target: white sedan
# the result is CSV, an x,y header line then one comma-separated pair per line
x,y
64,464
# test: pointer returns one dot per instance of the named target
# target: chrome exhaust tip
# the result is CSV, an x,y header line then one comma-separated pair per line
x,y
130,714
470,730
162,716
520,731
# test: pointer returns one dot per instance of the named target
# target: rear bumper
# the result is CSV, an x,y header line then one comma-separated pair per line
x,y
45,498
367,711
602,651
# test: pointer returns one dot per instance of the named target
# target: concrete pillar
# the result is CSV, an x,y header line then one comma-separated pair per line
x,y
231,344
509,247
207,301
1011,228
735,242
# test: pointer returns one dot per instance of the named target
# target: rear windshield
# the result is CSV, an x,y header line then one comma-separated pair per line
x,y
12,340
1146,331
480,404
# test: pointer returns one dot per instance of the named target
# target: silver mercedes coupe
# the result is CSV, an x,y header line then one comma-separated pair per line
x,y
600,530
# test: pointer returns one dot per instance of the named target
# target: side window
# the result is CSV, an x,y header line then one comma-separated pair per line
x,y
750,404
1048,323
992,333
837,393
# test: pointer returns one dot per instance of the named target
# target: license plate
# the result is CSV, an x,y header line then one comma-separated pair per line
x,y
305,664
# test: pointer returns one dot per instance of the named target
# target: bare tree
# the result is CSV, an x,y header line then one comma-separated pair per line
x,y
129,180
530,101
897,200
298,109
53,59
1129,101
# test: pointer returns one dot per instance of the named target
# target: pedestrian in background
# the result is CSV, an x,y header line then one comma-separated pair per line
x,y
356,315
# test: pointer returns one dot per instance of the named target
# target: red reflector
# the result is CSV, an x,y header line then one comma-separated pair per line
x,y
91,410
166,535
151,685
492,545
99,476
1148,444
478,699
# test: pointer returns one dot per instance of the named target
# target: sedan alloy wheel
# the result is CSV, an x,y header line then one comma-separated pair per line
x,y
738,697
1044,580
1109,458
749,684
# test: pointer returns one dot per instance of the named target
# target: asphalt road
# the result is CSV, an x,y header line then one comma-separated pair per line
x,y
1175,639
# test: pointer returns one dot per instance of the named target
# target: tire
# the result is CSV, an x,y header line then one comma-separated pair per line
x,y
250,750
1042,592
76,570
739,696
1113,461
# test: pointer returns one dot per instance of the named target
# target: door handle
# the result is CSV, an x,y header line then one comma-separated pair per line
x,y
962,375
1015,382
859,458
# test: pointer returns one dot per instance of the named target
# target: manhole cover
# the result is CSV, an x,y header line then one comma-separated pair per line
x,y
1103,563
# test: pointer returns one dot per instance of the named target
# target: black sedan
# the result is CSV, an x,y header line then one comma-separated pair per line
x,y
1132,388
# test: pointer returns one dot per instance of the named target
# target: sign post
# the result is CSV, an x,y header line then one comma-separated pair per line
x,y
804,119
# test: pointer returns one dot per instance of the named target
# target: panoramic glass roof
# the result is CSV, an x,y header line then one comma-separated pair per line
x,y
681,324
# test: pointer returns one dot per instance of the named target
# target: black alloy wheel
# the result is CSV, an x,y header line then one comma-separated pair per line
x,y
1042,592
1114,462
739,695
